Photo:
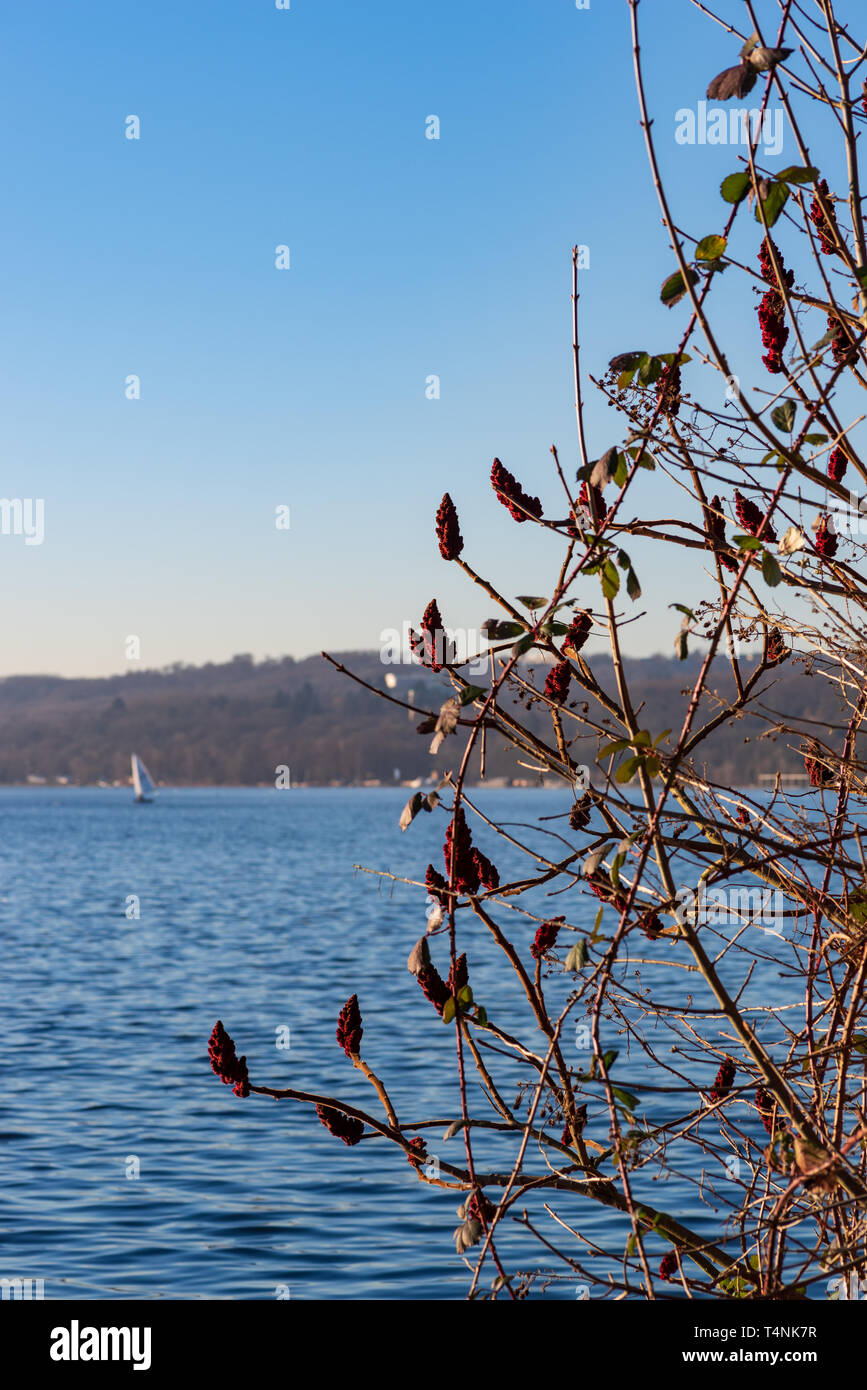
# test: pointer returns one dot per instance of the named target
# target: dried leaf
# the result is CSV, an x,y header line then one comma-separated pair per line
x,y
792,540
577,956
467,1235
625,361
732,82
435,917
592,862
603,469
416,803
446,724
763,59
419,956
808,1158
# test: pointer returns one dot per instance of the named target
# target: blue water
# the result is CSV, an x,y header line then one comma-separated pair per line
x,y
251,912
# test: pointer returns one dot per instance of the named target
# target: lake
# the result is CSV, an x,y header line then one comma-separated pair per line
x,y
251,912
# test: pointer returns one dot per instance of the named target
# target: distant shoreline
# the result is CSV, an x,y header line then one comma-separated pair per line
x,y
494,784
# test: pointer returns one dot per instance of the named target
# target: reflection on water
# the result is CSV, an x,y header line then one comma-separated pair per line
x,y
249,911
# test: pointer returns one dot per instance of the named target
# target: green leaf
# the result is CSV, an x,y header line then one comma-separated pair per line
x,y
617,746
523,644
530,601
627,770
682,608
658,740
609,1058
649,371
710,247
448,1010
773,204
669,357
626,361
618,862
621,472
747,542
623,560
646,459
481,1016
735,187
642,738
495,631
815,438
783,416
674,288
798,173
610,580
471,693
825,339
625,1098
680,645
596,925
465,996
771,572
633,588
652,765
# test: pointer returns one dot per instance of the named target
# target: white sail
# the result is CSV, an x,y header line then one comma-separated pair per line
x,y
145,789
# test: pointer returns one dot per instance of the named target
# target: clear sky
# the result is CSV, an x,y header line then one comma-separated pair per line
x,y
305,387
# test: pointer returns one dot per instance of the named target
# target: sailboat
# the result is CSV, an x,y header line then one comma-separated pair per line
x,y
145,790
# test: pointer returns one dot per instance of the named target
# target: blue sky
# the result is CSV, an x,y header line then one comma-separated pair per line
x,y
306,387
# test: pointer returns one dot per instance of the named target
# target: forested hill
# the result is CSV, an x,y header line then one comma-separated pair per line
x,y
235,723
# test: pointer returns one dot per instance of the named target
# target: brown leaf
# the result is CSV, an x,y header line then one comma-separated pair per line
x,y
446,724
435,917
733,82
603,469
467,1235
808,1158
419,956
415,804
763,59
